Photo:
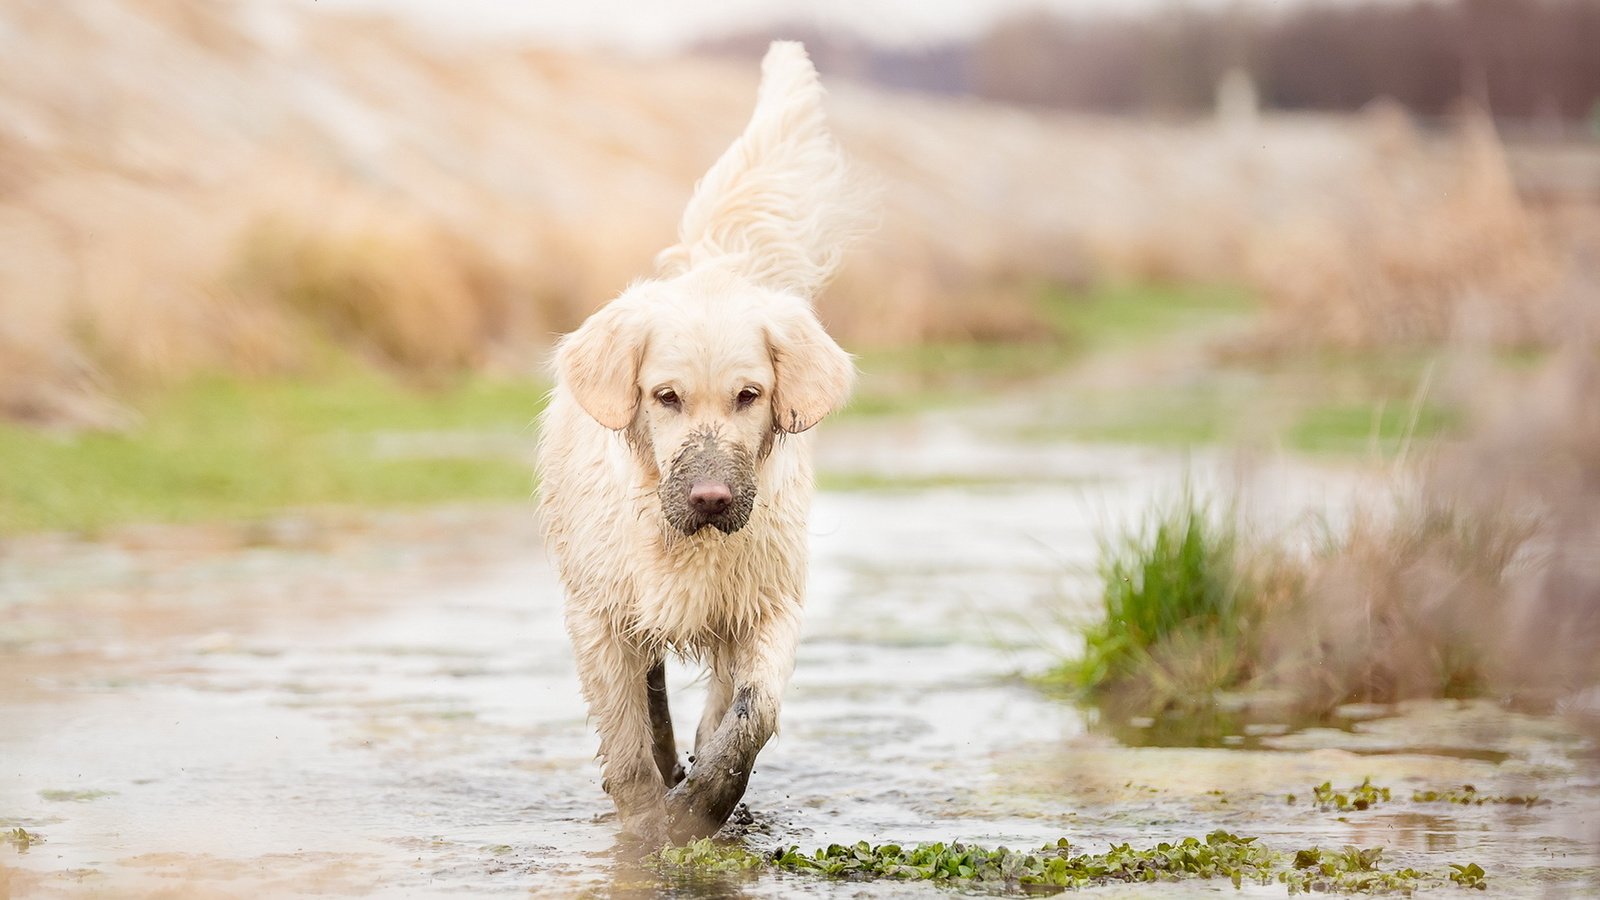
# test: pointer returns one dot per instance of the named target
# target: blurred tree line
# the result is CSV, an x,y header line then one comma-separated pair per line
x,y
1521,59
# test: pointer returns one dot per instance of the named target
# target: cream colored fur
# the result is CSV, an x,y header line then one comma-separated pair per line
x,y
729,312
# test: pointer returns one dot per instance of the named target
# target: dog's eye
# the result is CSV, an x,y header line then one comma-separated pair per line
x,y
748,396
668,397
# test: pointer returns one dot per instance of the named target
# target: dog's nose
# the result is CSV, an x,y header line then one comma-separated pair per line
x,y
709,498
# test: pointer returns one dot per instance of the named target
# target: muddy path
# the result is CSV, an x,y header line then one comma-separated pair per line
x,y
387,705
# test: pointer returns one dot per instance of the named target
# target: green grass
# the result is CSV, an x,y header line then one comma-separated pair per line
x,y
1328,404
1118,315
1189,612
1073,324
225,448
1342,404
1383,428
1175,611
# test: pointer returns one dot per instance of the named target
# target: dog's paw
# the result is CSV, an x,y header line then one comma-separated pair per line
x,y
687,820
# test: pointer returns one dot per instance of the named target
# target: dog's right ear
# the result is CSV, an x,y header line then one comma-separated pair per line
x,y
599,364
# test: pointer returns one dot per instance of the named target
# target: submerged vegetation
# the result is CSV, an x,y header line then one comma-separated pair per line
x,y
1220,855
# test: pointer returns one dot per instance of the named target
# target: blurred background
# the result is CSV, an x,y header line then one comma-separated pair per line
x,y
285,208
208,198
279,278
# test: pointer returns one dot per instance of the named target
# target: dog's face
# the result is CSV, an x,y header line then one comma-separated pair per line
x,y
702,373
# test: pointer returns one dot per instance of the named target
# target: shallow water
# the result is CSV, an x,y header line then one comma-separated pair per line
x,y
387,705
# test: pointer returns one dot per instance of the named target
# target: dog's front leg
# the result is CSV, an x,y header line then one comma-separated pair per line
x,y
759,670
663,743
615,674
719,696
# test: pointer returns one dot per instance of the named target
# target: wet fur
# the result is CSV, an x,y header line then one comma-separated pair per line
x,y
730,306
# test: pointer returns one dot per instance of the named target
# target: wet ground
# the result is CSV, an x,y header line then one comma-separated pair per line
x,y
387,705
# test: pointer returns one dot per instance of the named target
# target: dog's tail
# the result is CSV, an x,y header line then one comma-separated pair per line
x,y
779,204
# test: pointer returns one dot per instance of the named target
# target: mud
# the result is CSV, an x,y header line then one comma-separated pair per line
x,y
388,706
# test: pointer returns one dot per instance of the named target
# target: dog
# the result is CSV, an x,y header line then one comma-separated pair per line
x,y
675,468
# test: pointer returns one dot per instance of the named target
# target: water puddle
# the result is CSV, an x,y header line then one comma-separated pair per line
x,y
389,706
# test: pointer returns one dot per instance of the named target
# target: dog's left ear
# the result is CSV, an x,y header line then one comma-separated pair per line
x,y
813,375
599,364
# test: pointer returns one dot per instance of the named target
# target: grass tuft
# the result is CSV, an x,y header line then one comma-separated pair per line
x,y
1177,611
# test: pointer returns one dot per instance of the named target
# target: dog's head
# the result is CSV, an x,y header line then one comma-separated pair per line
x,y
705,366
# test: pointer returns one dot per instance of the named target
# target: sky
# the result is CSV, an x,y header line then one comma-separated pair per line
x,y
662,26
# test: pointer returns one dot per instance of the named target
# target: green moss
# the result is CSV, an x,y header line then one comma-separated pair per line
x,y
225,448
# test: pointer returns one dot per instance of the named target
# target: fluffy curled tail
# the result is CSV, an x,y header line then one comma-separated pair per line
x,y
778,205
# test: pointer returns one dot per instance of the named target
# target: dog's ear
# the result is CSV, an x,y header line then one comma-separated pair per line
x,y
779,205
813,375
599,364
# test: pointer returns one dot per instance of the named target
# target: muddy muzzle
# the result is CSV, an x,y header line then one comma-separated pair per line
x,y
709,483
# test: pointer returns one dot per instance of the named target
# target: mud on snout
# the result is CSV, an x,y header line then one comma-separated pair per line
x,y
706,462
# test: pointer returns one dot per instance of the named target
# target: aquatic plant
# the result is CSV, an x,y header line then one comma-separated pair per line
x,y
1219,855
21,838
1469,876
1348,871
707,856
1363,796
1468,795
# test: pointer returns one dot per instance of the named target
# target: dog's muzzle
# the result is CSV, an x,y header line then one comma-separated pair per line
x,y
709,484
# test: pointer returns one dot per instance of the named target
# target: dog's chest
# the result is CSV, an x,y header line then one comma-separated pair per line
x,y
700,593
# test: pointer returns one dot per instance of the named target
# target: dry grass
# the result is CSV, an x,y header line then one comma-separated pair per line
x,y
183,191
1484,577
1417,250
390,285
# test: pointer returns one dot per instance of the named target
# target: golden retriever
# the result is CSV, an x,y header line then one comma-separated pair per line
x,y
675,478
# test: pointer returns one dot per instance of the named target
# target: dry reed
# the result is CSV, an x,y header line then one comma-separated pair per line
x,y
184,190
1482,579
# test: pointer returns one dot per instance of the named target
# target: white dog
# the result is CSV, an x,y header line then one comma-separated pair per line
x,y
675,479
